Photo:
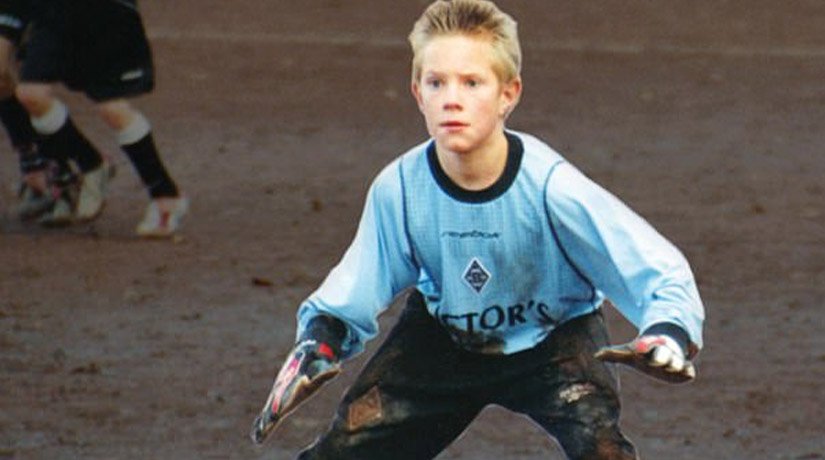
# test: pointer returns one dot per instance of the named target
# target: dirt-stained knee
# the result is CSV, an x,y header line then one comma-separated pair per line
x,y
365,410
611,445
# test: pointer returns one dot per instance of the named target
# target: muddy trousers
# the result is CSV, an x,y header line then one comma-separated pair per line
x,y
420,391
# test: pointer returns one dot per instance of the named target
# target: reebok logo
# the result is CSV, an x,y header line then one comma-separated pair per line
x,y
470,234
476,275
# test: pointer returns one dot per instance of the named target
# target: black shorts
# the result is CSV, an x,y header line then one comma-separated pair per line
x,y
14,17
98,47
420,391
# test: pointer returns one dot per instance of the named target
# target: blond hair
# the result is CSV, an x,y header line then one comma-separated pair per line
x,y
480,18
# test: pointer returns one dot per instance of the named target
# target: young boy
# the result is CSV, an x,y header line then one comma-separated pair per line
x,y
511,251
98,47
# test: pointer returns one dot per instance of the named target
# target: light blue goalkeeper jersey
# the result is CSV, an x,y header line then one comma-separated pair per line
x,y
502,267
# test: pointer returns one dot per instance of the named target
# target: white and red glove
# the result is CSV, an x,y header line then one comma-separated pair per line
x,y
310,364
658,355
313,361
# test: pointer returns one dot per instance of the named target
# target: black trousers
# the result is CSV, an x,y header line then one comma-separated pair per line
x,y
420,391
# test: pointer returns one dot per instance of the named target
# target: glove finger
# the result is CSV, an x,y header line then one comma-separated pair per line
x,y
688,370
677,363
263,425
663,356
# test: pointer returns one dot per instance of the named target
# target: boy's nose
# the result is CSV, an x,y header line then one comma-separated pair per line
x,y
452,99
452,106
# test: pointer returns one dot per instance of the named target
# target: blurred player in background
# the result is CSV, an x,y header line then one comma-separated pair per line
x,y
98,47
42,179
511,252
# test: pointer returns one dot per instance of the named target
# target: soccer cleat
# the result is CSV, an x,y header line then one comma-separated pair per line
x,y
33,203
62,210
162,217
34,195
92,196
64,191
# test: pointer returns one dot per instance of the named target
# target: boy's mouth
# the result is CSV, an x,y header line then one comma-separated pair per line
x,y
453,124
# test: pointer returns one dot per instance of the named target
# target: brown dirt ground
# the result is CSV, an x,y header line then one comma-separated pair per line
x,y
705,116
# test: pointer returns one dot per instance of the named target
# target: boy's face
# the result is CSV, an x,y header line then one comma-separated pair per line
x,y
463,101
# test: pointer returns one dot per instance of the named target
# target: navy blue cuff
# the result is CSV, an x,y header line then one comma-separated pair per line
x,y
326,329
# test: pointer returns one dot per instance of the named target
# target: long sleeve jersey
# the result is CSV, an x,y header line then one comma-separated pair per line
x,y
500,268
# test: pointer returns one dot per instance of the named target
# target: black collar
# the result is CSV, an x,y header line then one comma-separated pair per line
x,y
515,151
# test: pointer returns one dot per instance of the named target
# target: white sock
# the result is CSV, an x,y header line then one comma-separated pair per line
x,y
135,131
53,120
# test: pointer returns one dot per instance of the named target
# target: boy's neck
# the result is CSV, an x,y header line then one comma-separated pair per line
x,y
478,169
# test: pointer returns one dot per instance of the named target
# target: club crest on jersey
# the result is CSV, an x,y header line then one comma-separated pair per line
x,y
476,275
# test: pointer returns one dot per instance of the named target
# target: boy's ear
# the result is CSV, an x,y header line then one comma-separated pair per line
x,y
510,95
415,89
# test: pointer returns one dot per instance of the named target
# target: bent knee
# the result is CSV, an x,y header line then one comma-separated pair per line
x,y
117,113
35,97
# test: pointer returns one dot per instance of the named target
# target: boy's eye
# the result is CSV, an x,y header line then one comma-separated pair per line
x,y
472,83
435,84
